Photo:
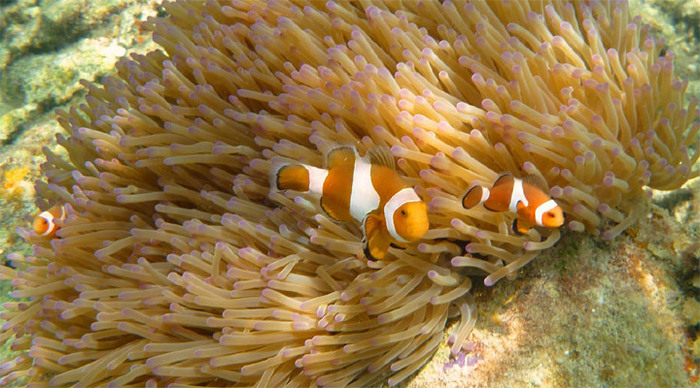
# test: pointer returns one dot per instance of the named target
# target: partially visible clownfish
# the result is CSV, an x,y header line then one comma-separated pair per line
x,y
367,189
44,224
525,197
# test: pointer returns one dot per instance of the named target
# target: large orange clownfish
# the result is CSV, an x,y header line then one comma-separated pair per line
x,y
372,192
44,224
524,197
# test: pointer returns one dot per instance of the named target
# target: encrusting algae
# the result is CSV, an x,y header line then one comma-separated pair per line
x,y
176,263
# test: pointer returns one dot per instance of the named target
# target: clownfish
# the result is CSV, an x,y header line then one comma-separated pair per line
x,y
44,224
369,191
524,197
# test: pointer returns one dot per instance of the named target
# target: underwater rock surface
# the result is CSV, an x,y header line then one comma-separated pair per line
x,y
47,46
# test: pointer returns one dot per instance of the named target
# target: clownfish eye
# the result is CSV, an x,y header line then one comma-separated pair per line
x,y
403,212
549,215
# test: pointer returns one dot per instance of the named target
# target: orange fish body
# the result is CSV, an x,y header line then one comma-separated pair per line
x,y
352,187
522,197
44,224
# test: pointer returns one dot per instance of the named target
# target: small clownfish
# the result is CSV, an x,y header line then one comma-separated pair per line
x,y
525,197
44,224
367,189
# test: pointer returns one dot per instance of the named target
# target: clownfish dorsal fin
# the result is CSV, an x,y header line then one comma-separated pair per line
x,y
381,155
502,179
376,241
537,181
340,155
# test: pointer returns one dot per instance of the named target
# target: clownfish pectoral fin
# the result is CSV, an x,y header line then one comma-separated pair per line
x,y
340,155
475,195
376,248
521,210
520,227
381,155
376,241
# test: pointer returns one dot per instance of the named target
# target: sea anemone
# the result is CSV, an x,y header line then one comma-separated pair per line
x,y
177,264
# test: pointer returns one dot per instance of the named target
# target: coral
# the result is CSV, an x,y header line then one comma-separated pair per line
x,y
177,264
15,190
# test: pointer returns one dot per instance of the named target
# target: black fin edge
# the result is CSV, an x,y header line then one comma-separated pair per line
x,y
465,196
277,179
505,174
396,246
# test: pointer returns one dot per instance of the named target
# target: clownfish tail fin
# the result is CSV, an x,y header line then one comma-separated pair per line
x,y
475,195
290,177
